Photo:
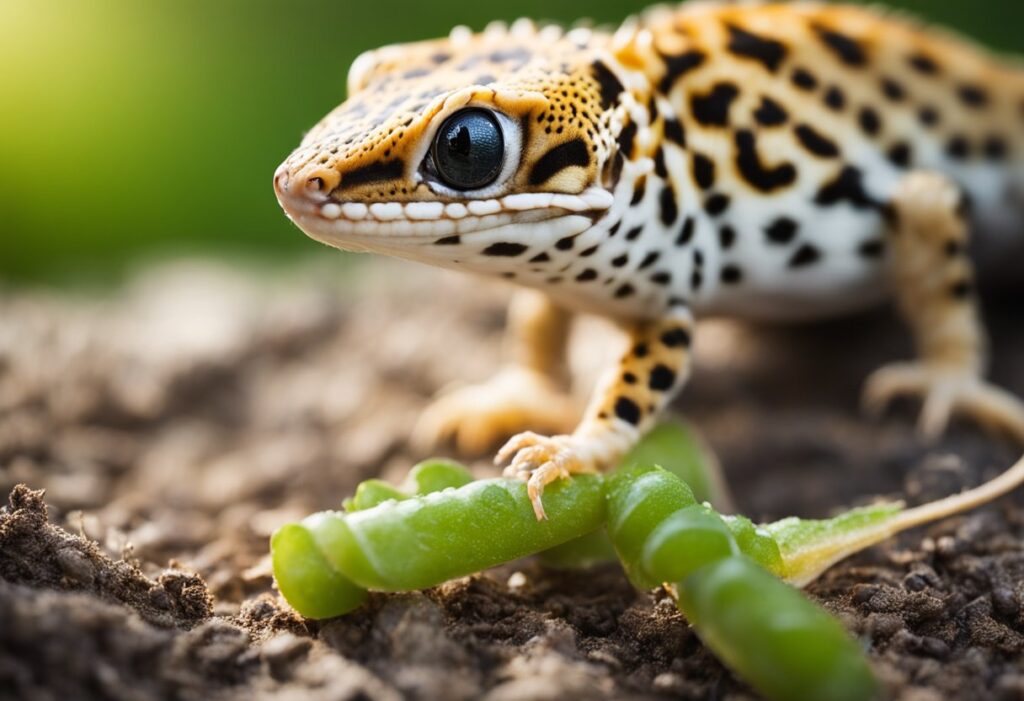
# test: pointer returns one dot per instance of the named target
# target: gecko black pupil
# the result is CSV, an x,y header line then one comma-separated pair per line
x,y
469,149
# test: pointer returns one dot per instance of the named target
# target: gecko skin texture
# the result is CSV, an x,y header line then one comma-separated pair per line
x,y
762,161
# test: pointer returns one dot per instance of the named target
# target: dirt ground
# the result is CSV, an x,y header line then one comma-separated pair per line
x,y
174,423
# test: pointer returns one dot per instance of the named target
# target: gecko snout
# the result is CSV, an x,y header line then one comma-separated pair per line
x,y
313,183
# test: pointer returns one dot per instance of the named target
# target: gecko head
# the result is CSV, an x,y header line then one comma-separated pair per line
x,y
464,151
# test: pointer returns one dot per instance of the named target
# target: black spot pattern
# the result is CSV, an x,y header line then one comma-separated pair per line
x,y
667,206
624,290
674,131
768,52
703,171
899,154
650,259
712,109
804,80
635,232
754,172
448,241
804,256
626,140
660,169
566,244
929,116
814,142
610,85
781,231
505,249
995,148
848,50
620,261
540,258
869,121
662,378
871,249
770,113
726,237
587,275
835,98
686,233
923,64
959,147
639,190
972,95
716,204
731,275
627,410
678,66
893,90
848,186
567,155
377,171
676,338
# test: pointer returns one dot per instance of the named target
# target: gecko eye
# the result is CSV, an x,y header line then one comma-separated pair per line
x,y
469,149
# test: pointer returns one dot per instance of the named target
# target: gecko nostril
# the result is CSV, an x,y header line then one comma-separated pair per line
x,y
315,184
281,179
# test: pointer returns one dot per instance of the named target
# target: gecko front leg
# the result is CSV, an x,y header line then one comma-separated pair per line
x,y
933,281
625,404
527,392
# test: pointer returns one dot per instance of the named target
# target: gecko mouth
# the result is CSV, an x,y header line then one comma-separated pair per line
x,y
334,222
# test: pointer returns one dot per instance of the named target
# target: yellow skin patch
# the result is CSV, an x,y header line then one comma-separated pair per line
x,y
771,161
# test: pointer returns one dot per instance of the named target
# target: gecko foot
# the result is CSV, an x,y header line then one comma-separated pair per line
x,y
540,460
945,391
478,416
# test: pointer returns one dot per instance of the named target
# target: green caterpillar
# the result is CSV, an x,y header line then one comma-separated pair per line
x,y
727,573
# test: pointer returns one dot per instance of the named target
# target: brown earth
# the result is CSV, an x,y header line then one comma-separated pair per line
x,y
175,424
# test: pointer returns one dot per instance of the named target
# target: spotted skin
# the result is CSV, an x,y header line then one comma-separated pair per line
x,y
765,161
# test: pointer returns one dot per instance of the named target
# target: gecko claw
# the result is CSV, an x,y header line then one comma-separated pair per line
x,y
945,392
541,460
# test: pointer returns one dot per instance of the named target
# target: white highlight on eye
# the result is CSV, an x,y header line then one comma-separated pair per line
x,y
481,208
355,210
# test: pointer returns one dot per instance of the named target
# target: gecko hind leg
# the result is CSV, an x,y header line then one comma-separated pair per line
x,y
524,394
932,280
625,404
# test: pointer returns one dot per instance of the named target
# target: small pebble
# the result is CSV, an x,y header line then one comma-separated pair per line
x,y
282,650
946,546
914,582
862,593
1005,602
517,580
75,566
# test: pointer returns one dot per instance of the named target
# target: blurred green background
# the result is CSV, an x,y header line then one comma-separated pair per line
x,y
134,128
